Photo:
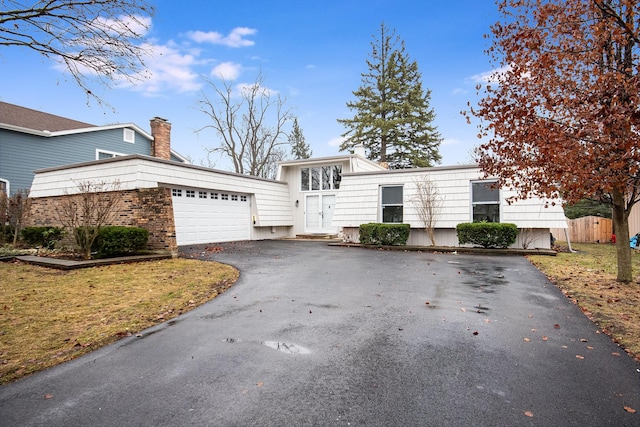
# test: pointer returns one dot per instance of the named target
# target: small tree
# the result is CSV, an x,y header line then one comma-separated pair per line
x,y
17,209
428,203
299,148
84,213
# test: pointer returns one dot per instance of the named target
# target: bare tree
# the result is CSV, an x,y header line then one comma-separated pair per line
x,y
84,213
14,211
250,122
428,203
97,38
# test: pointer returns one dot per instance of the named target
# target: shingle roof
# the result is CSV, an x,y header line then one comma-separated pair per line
x,y
15,115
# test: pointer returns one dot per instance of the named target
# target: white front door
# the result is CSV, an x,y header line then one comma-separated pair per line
x,y
319,212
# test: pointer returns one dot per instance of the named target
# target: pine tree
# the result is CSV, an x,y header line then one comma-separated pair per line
x,y
392,118
299,148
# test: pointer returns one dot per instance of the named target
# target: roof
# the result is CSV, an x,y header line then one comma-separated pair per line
x,y
21,119
15,115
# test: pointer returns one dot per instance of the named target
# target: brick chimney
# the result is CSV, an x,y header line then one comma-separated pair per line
x,y
161,144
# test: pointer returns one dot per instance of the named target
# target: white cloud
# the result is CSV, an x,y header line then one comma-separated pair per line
x,y
491,76
335,142
247,88
168,69
226,71
131,26
459,91
236,38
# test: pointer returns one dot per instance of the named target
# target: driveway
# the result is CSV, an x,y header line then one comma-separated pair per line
x,y
320,335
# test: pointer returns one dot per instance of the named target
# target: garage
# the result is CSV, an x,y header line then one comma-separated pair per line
x,y
207,216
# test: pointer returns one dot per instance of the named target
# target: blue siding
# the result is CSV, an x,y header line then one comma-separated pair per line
x,y
21,154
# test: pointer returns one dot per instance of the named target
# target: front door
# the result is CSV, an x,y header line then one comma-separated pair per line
x,y
319,212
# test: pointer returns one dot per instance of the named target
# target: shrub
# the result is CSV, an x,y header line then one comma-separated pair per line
x,y
487,234
6,233
384,234
118,240
45,237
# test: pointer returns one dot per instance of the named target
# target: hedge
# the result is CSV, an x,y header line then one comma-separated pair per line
x,y
119,240
384,234
487,234
45,237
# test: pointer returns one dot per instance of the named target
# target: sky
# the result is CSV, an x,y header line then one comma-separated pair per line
x,y
311,53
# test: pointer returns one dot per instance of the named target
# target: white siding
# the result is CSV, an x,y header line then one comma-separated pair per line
x,y
271,207
358,200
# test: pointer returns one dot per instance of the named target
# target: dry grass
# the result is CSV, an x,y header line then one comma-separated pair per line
x,y
589,279
50,316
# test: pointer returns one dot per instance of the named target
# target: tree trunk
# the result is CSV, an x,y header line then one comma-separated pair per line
x,y
621,227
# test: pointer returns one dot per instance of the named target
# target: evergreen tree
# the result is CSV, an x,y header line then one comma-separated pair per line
x,y
392,118
299,148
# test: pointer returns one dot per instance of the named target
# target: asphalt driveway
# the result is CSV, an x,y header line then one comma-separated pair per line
x,y
320,335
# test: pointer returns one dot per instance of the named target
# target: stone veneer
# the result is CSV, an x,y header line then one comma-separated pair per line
x,y
148,208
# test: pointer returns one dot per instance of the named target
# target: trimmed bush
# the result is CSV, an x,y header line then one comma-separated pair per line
x,y
376,233
45,237
118,240
487,234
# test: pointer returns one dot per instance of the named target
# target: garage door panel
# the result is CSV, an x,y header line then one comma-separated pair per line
x,y
209,220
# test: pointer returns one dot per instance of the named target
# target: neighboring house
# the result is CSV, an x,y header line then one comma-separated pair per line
x,y
31,140
185,204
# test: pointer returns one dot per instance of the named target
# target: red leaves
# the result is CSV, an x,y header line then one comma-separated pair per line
x,y
564,112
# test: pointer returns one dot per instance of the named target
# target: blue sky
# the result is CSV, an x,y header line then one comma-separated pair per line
x,y
310,52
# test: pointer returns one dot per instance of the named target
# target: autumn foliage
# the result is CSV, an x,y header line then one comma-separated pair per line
x,y
561,112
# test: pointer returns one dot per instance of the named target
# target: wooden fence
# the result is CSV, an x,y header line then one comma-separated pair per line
x,y
588,229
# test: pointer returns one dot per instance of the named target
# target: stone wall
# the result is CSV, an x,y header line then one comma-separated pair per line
x,y
148,208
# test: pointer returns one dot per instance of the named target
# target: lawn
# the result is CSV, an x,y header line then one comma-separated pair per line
x,y
50,316
588,278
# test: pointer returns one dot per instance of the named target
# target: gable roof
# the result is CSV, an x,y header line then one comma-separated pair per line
x,y
22,117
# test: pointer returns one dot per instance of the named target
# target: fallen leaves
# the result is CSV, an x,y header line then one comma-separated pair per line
x,y
528,414
630,410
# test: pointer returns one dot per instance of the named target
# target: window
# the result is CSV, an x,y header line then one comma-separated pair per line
x,y
485,201
214,196
321,178
191,193
129,135
337,176
4,186
176,192
315,178
104,154
304,179
234,197
202,194
391,203
243,198
225,197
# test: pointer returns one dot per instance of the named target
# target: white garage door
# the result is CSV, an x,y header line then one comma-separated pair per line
x,y
210,216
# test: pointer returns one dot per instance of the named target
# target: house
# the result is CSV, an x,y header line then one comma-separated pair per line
x,y
182,204
31,140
